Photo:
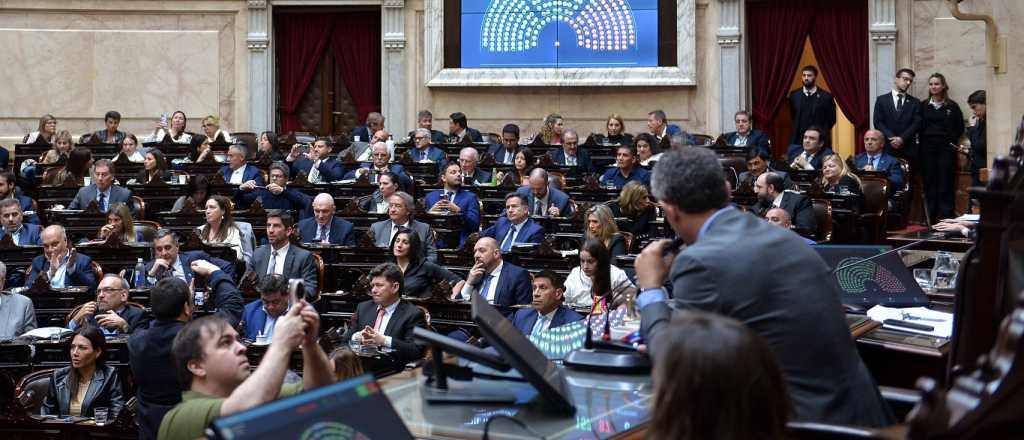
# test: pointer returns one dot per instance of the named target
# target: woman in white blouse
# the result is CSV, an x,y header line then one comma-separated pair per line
x,y
176,130
596,276
220,225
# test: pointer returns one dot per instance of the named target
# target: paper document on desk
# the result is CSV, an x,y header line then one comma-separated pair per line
x,y
941,323
969,217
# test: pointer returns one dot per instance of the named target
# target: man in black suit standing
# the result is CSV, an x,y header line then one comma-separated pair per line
x,y
771,193
747,136
811,106
898,117
792,302
386,320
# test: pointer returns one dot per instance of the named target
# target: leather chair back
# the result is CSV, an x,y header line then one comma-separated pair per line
x,y
32,390
823,216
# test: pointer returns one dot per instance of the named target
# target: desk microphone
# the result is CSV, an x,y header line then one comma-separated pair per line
x,y
937,236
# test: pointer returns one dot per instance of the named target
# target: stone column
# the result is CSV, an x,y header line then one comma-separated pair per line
x,y
882,53
393,72
261,68
732,83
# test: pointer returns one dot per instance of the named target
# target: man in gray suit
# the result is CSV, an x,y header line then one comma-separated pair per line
x,y
17,315
792,302
400,215
102,189
280,257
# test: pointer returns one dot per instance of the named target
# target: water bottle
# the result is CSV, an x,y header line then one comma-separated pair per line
x,y
945,270
140,274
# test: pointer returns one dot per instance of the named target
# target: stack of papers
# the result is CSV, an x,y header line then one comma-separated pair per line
x,y
941,323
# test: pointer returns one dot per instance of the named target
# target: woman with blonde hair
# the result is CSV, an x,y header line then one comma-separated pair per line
x,y
62,145
211,128
551,133
346,363
47,130
634,204
615,129
837,178
220,225
600,225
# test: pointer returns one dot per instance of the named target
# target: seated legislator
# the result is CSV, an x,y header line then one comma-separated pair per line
x,y
237,172
547,311
600,225
130,149
281,258
779,217
502,283
420,275
524,163
221,290
425,120
12,218
9,191
400,216
386,320
791,302
542,200
809,155
378,202
111,312
318,166
837,178
505,153
552,130
747,136
212,130
119,222
454,200
458,129
197,190
61,149
635,206
17,314
324,226
615,131
102,189
596,276
626,169
874,158
425,151
60,264
702,354
261,315
758,163
471,174
267,148
379,157
277,194
770,194
88,383
110,134
220,227
169,262
571,154
176,128
374,123
361,151
47,130
647,151
74,172
515,226
154,167
213,368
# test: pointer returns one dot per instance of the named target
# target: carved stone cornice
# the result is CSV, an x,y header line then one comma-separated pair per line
x,y
883,36
394,45
729,40
257,45
256,4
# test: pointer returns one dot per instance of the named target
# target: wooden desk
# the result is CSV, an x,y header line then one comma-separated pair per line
x,y
959,245
915,355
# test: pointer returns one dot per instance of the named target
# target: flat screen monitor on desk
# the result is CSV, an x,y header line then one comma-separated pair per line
x,y
883,280
355,408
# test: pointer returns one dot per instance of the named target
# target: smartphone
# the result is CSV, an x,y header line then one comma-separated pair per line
x,y
163,119
296,290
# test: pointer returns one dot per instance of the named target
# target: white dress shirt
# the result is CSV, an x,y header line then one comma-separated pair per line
x,y
237,175
492,289
389,311
896,99
543,322
281,255
395,228
578,286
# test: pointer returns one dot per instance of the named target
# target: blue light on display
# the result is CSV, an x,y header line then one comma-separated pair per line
x,y
559,33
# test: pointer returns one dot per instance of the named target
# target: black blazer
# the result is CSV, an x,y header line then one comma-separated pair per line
x,y
405,318
156,379
905,124
421,276
756,138
818,109
638,225
136,317
799,207
104,392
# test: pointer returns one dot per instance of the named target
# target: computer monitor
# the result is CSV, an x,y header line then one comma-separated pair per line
x,y
884,280
355,408
522,355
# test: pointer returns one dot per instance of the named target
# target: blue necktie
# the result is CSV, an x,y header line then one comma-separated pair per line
x,y
103,202
506,244
487,283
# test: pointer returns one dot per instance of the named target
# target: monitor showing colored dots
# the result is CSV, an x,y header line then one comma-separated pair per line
x,y
559,33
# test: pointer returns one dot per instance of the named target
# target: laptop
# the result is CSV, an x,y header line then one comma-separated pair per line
x,y
884,280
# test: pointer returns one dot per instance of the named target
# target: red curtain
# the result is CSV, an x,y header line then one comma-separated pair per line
x,y
300,40
356,44
839,37
777,31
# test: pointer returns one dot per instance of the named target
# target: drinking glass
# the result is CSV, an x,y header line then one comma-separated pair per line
x,y
100,414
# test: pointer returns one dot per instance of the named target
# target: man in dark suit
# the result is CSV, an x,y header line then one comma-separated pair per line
x,y
61,264
374,123
185,266
379,166
811,151
758,163
458,129
12,220
626,169
657,123
515,226
502,283
111,311
102,190
276,195
898,116
400,216
281,258
811,106
425,120
261,315
9,189
792,302
386,320
571,154
471,175
747,136
547,311
874,159
506,152
425,151
319,167
452,199
542,200
324,227
771,193
237,172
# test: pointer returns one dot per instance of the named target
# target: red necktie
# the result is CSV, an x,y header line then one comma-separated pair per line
x,y
380,318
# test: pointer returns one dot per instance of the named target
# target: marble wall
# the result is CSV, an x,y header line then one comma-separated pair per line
x,y
77,60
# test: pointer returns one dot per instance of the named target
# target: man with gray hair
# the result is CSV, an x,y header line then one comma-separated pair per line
x,y
471,175
17,315
425,151
425,120
792,302
111,311
61,264
571,154
277,195
374,123
400,215
102,189
378,165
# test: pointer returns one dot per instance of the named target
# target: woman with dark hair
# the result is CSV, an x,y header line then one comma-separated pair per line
x,y
220,225
197,190
523,164
130,149
420,274
75,170
387,185
87,384
716,379
596,277
154,168
615,129
267,149
647,149
942,124
634,204
175,127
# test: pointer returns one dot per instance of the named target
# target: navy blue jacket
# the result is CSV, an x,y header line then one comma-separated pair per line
x,y
525,319
514,286
156,377
531,231
886,163
556,198
469,206
756,138
639,174
330,169
290,199
255,318
403,176
81,274
29,235
816,161
583,162
340,231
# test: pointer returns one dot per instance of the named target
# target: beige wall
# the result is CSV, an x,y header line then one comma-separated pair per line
x,y
79,59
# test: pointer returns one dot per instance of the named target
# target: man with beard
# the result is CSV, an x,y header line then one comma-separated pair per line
x,y
811,106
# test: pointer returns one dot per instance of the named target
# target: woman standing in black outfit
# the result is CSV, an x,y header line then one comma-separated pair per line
x,y
942,124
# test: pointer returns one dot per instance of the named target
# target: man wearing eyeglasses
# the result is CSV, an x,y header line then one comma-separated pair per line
x,y
425,151
111,311
379,165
